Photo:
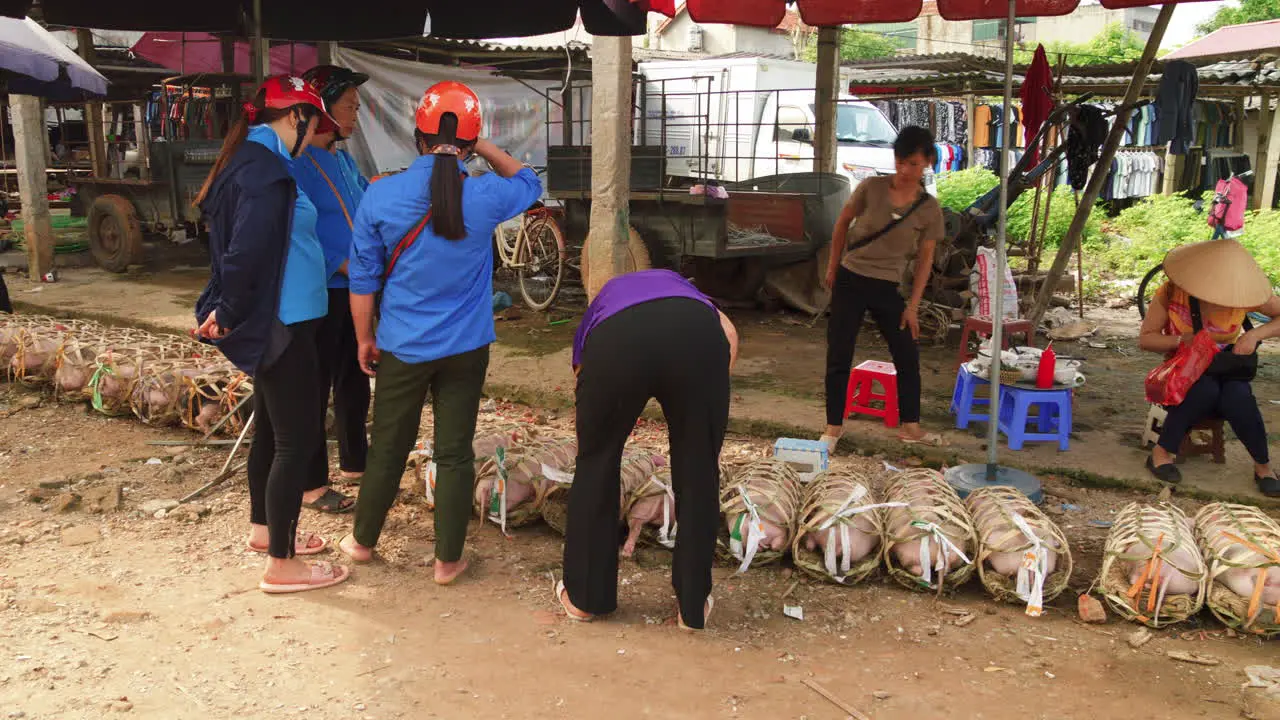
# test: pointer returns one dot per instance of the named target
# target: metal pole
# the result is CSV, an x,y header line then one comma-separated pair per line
x,y
997,300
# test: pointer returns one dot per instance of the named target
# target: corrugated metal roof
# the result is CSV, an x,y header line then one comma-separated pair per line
x,y
1246,39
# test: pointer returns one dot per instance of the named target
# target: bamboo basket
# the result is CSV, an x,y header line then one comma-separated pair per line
x,y
35,354
1220,528
833,499
992,510
508,436
929,500
1137,531
156,397
524,465
774,489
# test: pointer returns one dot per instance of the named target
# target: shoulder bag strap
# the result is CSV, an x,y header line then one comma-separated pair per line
x,y
334,188
924,195
408,239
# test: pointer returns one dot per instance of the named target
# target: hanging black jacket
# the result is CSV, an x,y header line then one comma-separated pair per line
x,y
1179,84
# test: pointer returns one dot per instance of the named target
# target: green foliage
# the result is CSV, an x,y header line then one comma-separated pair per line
x,y
856,45
1115,44
957,190
1246,12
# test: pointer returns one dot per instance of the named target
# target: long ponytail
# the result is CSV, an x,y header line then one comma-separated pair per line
x,y
446,179
255,112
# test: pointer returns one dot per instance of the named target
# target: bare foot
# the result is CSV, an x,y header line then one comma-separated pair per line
x,y
447,572
354,550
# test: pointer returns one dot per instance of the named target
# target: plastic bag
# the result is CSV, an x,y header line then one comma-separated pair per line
x,y
980,284
1168,384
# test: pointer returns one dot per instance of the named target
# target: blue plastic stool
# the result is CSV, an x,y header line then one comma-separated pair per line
x,y
963,400
1053,423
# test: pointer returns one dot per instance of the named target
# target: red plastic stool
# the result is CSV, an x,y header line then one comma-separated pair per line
x,y
861,391
982,327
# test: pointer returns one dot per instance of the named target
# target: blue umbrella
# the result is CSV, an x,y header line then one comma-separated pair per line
x,y
34,62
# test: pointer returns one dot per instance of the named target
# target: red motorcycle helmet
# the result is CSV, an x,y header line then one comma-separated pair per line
x,y
450,97
286,91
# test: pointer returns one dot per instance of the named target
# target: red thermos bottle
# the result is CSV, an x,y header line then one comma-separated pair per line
x,y
1044,374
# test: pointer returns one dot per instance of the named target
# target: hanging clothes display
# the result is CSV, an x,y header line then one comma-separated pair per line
x,y
1134,174
1179,84
982,126
1037,100
1214,123
1084,141
946,119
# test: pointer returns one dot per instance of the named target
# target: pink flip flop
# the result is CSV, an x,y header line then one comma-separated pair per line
x,y
323,575
301,545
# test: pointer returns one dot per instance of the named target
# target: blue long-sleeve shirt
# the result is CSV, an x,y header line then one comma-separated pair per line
x,y
320,173
439,300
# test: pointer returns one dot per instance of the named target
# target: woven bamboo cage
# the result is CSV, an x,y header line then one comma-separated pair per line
x,y
835,500
215,393
1152,541
645,476
640,477
116,370
524,465
932,512
35,356
74,366
156,397
1241,543
992,510
773,489
488,439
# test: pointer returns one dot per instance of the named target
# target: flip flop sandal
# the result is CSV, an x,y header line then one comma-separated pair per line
x,y
331,502
562,597
449,580
1164,473
353,479
930,439
1269,486
301,545
323,575
706,615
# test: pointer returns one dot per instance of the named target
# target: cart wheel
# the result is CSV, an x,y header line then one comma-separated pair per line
x,y
115,235
1145,291
541,264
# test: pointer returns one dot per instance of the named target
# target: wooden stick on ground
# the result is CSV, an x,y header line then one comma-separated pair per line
x,y
853,712
214,482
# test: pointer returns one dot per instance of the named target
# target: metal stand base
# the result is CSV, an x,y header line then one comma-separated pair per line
x,y
967,478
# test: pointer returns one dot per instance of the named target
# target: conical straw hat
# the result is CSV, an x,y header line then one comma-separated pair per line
x,y
1221,272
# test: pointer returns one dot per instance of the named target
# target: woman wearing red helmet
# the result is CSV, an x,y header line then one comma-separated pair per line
x,y
264,302
424,238
329,176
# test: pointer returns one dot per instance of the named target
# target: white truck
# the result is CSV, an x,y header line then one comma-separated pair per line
x,y
735,119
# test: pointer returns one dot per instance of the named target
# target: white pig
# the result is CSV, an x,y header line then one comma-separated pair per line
x,y
640,476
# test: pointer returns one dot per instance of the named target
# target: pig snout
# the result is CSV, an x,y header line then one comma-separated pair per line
x,y
908,555
775,538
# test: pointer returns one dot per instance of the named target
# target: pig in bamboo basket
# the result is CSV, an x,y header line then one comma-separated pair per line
x,y
1023,556
1152,570
761,504
646,502
929,540
511,488
214,394
840,528
1241,545
488,439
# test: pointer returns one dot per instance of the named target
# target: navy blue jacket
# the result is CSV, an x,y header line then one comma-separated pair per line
x,y
249,209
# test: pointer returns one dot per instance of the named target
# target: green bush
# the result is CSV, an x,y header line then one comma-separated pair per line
x,y
957,190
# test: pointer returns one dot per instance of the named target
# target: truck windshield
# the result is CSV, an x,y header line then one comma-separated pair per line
x,y
856,124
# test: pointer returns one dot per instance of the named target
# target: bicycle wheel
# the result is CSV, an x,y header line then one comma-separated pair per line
x,y
541,264
505,237
1145,291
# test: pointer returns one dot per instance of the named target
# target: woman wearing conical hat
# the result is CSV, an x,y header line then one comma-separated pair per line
x,y
1213,286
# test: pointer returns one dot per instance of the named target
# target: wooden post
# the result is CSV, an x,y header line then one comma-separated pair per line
x,y
1264,143
824,147
1267,199
970,107
94,124
1099,175
259,47
31,153
566,112
228,47
144,146
1239,129
324,53
610,160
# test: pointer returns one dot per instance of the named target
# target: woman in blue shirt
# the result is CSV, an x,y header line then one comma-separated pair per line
x,y
263,304
330,178
424,237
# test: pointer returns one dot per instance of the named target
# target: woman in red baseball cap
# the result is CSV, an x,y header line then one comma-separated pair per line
x,y
424,238
263,305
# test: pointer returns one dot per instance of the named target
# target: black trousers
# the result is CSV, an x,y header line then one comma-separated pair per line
x,y
340,372
5,305
851,298
288,436
673,350
1231,400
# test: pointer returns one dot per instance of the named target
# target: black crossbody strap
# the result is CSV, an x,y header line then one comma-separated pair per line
x,y
924,195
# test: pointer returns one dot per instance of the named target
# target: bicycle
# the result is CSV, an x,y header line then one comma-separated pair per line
x,y
532,245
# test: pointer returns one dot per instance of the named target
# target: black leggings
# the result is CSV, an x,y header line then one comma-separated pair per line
x,y
289,435
340,370
673,350
1231,400
851,298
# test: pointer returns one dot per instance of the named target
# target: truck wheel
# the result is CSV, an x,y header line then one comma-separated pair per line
x,y
115,235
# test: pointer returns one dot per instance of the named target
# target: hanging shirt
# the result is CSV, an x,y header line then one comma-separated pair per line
x,y
302,295
1037,103
336,186
439,301
982,126
1179,84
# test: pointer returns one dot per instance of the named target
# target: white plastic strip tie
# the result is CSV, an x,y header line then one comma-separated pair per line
x,y
945,548
1031,572
500,492
755,533
556,476
666,533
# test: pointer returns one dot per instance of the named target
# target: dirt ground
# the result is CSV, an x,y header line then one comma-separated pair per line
x,y
110,611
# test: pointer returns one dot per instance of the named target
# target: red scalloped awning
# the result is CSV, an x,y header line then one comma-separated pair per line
x,y
768,13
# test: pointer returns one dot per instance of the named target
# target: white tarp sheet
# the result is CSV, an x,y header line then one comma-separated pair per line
x,y
514,113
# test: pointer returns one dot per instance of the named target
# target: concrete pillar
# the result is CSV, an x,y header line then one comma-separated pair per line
x,y
610,160
31,153
1264,143
1267,197
824,148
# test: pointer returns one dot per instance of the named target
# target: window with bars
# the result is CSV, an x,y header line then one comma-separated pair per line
x,y
987,30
